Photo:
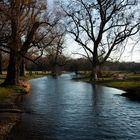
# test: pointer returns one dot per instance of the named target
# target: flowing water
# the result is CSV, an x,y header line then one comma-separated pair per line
x,y
63,109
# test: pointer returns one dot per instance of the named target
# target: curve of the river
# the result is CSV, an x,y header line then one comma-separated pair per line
x,y
63,109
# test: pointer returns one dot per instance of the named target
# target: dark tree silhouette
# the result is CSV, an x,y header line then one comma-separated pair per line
x,y
101,26
25,19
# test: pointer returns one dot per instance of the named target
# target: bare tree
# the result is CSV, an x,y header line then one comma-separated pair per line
x,y
25,18
54,54
101,26
52,45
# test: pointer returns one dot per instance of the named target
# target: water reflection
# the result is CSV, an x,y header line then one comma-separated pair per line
x,y
64,109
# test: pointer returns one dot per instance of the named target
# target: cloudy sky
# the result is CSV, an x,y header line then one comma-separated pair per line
x,y
131,53
72,47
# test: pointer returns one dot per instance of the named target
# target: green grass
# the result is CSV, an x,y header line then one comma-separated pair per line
x,y
123,84
6,93
132,80
131,75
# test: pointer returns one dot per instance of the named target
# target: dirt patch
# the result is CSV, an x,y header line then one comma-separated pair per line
x,y
7,121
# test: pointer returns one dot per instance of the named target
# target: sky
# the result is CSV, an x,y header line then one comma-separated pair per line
x,y
72,47
129,54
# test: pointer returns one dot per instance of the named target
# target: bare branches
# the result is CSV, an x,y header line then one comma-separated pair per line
x,y
104,24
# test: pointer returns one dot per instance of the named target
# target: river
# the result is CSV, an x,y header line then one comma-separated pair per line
x,y
64,109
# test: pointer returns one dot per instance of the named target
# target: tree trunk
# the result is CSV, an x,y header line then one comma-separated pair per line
x,y
0,62
12,77
22,68
54,71
94,63
93,76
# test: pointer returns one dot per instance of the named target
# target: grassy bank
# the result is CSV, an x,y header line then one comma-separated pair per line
x,y
130,84
9,112
23,87
7,101
132,88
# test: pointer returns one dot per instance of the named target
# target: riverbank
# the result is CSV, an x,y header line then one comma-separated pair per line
x,y
130,85
9,111
131,88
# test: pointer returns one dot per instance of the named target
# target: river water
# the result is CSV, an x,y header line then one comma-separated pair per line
x,y
63,109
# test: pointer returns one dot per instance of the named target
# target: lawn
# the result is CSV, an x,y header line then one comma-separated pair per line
x,y
23,87
131,81
123,84
7,93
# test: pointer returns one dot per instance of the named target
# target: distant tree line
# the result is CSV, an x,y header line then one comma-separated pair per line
x,y
72,65
82,64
